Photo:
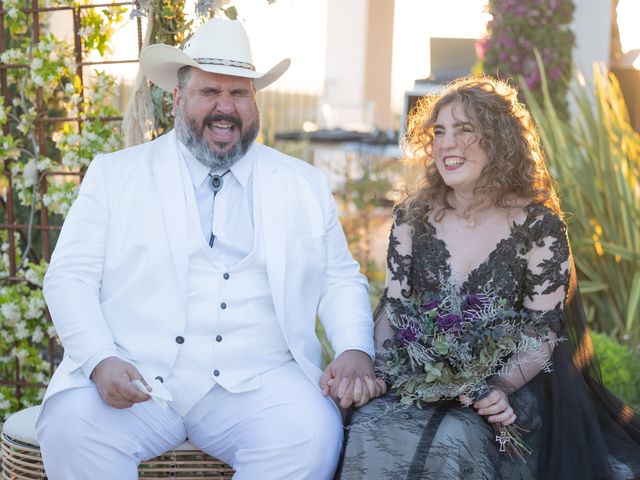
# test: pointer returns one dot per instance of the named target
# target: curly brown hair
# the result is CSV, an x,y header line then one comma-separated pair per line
x,y
506,132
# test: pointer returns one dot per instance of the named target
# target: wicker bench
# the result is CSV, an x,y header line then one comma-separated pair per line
x,y
21,458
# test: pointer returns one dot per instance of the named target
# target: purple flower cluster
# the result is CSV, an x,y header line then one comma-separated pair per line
x,y
473,305
430,305
445,321
449,322
410,333
517,28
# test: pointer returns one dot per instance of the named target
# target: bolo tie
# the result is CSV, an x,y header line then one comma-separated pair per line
x,y
216,181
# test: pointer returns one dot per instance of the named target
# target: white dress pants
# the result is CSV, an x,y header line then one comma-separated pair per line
x,y
284,430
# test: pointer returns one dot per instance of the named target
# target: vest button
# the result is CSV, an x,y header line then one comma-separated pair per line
x,y
219,338
225,276
179,340
223,305
216,373
160,379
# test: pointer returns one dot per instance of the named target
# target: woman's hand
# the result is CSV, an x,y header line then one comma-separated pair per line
x,y
366,390
362,390
495,406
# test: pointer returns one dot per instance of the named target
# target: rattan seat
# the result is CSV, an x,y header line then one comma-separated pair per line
x,y
21,458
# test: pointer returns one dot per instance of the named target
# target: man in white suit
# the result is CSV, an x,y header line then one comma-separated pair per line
x,y
191,269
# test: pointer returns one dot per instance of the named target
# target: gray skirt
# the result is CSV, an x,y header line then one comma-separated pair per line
x,y
442,441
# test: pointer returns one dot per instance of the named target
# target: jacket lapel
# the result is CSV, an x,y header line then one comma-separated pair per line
x,y
168,177
270,199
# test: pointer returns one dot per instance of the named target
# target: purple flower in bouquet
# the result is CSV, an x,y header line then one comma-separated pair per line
x,y
449,322
441,353
410,333
473,305
430,305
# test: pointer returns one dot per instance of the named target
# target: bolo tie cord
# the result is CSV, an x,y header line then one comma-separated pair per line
x,y
216,181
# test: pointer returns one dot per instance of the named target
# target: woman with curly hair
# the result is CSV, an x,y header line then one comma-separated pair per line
x,y
486,218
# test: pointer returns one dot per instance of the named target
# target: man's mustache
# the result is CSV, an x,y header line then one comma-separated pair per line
x,y
222,118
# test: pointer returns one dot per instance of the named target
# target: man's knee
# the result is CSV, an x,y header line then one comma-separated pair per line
x,y
322,433
59,424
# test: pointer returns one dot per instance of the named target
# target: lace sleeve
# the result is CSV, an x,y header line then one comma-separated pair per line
x,y
398,279
547,280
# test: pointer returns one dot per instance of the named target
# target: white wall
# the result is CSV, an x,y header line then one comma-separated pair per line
x,y
592,27
345,61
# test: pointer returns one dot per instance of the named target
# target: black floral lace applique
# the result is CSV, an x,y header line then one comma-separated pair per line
x,y
506,268
551,229
399,266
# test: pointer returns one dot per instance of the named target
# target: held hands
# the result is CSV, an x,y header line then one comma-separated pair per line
x,y
113,378
351,380
495,406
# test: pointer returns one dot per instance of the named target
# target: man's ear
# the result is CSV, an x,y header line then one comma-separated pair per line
x,y
176,100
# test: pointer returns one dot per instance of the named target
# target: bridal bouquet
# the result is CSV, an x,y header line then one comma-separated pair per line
x,y
451,345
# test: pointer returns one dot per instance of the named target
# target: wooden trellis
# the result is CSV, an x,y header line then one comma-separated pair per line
x,y
43,227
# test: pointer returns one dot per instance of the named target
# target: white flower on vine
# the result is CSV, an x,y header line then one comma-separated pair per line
x,y
21,331
11,313
36,63
30,173
20,353
70,159
47,44
32,277
44,163
70,63
35,307
91,137
37,335
37,80
12,55
51,331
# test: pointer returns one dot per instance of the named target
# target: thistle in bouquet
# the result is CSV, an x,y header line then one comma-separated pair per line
x,y
453,344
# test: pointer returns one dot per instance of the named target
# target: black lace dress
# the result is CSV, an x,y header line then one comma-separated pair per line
x,y
575,428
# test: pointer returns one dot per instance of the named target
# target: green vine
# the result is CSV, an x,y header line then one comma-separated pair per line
x,y
43,161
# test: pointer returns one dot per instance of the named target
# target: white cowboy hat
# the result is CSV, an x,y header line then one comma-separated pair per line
x,y
218,46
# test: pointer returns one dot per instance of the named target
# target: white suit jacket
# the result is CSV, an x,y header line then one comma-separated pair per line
x,y
117,281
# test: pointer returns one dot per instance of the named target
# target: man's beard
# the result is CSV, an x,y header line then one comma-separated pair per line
x,y
192,137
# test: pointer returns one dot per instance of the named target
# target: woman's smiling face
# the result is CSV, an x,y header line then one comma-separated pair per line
x,y
457,152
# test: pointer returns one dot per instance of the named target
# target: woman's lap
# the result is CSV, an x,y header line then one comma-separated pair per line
x,y
440,441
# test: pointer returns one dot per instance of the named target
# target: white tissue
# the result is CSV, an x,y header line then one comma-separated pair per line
x,y
159,392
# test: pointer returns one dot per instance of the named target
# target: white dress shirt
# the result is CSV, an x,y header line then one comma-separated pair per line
x,y
230,216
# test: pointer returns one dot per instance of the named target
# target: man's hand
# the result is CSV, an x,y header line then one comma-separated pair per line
x,y
113,377
350,378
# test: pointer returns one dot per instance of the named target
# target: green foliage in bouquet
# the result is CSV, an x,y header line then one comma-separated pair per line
x,y
455,344
595,159
519,27
451,345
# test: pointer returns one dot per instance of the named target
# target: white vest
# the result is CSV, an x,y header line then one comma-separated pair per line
x,y
232,333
